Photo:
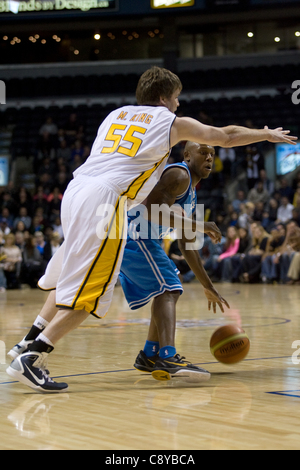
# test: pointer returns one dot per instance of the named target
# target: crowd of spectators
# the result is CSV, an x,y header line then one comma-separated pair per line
x,y
261,234
260,225
30,225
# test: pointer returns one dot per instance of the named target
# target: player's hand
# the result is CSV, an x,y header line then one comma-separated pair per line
x,y
279,135
215,299
211,229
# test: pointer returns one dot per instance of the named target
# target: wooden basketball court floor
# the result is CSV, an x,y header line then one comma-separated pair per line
x,y
111,406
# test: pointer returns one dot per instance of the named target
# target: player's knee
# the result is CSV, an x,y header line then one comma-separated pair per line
x,y
171,296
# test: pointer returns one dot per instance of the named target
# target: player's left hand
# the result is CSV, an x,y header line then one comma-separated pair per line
x,y
211,229
214,298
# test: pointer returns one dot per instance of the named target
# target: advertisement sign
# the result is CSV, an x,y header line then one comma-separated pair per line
x,y
171,3
24,6
3,171
287,158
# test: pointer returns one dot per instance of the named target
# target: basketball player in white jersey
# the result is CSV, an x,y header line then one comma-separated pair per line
x,y
126,161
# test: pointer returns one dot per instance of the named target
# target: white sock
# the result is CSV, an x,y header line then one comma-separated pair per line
x,y
42,337
40,323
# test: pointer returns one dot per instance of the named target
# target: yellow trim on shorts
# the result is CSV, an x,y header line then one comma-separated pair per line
x,y
45,290
103,266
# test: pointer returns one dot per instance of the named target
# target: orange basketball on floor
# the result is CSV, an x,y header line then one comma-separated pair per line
x,y
229,344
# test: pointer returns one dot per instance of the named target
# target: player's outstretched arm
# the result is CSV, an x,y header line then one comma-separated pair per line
x,y
230,136
193,259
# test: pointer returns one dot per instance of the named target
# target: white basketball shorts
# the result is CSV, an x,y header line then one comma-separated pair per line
x,y
85,269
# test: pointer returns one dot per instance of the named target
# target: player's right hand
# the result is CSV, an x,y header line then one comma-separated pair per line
x,y
279,135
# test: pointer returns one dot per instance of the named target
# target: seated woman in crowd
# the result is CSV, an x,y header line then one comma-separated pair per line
x,y
251,264
12,263
294,269
232,268
284,255
33,266
231,247
51,246
275,242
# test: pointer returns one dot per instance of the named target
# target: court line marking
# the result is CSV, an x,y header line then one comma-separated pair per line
x,y
286,393
131,370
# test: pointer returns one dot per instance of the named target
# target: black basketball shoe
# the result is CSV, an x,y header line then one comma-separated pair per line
x,y
144,363
29,369
177,367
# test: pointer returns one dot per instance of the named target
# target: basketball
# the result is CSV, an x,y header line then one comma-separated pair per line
x,y
229,344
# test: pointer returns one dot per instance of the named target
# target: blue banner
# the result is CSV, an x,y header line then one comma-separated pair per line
x,y
3,171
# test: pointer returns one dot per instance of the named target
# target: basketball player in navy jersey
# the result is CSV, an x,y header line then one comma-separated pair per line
x,y
147,272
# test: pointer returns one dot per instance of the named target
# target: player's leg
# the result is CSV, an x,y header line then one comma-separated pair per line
x,y
161,331
170,364
28,368
46,315
88,271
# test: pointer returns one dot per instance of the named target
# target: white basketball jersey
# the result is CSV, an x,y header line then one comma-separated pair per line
x,y
131,149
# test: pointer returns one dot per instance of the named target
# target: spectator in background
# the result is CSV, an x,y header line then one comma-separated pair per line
x,y
294,269
296,216
46,180
273,210
62,181
258,194
51,246
296,200
20,227
22,217
285,211
6,221
63,151
78,149
227,157
73,129
40,199
77,162
255,163
287,251
24,199
240,200
234,269
57,227
275,242
231,247
12,263
20,240
39,241
285,190
296,181
268,185
9,203
220,221
258,214
49,127
251,264
246,217
32,267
